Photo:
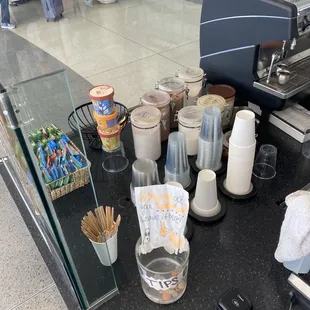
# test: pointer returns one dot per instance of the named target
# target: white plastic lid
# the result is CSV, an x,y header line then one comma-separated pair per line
x,y
145,117
212,101
191,74
171,84
190,116
156,98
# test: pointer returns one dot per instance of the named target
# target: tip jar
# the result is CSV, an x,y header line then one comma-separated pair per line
x,y
163,275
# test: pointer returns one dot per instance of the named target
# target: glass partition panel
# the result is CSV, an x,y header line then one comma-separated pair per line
x,y
60,170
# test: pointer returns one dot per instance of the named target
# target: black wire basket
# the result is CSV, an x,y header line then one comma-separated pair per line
x,y
88,125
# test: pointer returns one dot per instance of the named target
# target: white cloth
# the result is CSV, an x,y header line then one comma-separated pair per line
x,y
294,242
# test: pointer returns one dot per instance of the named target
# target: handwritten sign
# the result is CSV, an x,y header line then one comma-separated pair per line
x,y
162,212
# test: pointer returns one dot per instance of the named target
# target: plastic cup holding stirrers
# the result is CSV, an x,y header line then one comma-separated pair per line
x,y
101,230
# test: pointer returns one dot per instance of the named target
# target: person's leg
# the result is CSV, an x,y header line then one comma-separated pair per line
x,y
5,12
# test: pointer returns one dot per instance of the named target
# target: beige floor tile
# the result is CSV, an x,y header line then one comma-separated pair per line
x,y
49,299
132,80
158,25
86,47
23,272
187,55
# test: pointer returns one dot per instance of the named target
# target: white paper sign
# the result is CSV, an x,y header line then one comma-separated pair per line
x,y
162,212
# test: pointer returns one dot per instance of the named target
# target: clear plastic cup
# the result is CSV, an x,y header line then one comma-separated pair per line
x,y
115,161
265,162
144,173
205,202
177,167
243,132
210,141
163,275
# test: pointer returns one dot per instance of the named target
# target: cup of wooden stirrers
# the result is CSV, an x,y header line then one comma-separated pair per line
x,y
101,229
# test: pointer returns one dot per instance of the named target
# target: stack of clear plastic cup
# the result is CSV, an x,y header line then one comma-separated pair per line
x,y
177,167
210,141
241,154
144,173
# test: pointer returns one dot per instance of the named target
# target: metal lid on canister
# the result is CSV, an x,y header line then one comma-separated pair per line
x,y
145,117
171,84
212,101
101,92
190,74
224,91
190,116
156,98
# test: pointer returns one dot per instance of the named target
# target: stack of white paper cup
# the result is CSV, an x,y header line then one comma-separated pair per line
x,y
241,154
205,203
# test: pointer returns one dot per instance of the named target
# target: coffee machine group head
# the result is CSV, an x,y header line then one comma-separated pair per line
x,y
260,47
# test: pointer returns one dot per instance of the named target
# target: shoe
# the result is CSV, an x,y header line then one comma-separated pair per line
x,y
7,26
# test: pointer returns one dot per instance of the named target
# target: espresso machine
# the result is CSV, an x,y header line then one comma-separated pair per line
x,y
260,47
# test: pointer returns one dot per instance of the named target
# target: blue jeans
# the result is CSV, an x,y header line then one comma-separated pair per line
x,y
5,13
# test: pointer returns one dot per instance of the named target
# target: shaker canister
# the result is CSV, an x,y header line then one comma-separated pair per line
x,y
177,90
190,119
161,100
145,123
195,80
228,93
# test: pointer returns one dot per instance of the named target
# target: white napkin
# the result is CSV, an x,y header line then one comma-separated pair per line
x,y
294,242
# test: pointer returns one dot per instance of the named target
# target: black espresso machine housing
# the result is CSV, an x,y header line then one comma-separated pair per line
x,y
240,40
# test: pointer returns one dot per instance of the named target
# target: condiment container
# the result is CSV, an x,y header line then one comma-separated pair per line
x,y
102,99
194,78
190,119
177,90
163,275
106,121
110,138
228,93
145,123
212,101
160,100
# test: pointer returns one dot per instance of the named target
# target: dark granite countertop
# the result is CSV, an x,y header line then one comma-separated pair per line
x,y
235,252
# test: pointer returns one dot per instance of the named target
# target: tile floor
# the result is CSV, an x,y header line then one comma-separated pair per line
x,y
25,284
130,45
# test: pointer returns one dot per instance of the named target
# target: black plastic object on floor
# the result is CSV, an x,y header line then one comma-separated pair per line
x,y
233,299
82,118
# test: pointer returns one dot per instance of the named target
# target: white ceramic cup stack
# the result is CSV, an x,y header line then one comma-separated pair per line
x,y
205,203
241,154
